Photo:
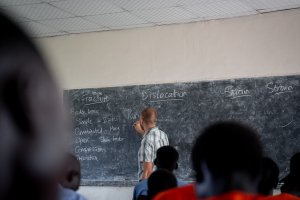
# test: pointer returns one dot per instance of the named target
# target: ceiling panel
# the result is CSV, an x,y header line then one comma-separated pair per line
x,y
70,24
144,4
21,19
193,2
88,30
17,17
221,9
50,0
42,35
55,17
87,7
39,11
131,26
182,21
271,5
116,19
17,2
38,29
164,14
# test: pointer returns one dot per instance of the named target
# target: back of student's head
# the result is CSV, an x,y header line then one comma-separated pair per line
x,y
228,150
31,118
166,158
149,116
292,180
295,164
269,176
71,173
159,181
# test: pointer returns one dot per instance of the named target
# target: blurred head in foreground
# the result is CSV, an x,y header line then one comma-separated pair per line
x,y
71,173
32,121
227,157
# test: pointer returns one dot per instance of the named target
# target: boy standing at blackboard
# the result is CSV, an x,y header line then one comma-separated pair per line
x,y
153,139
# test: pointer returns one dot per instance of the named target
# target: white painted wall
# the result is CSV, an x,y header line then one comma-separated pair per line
x,y
109,193
261,45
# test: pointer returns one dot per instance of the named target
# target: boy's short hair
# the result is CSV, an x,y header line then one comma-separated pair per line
x,y
227,147
159,181
167,157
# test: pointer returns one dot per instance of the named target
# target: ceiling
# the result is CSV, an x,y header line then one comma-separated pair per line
x,y
44,18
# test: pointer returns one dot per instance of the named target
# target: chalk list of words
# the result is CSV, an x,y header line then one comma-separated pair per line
x,y
93,131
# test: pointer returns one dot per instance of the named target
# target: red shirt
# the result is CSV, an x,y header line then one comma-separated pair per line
x,y
188,193
185,192
283,196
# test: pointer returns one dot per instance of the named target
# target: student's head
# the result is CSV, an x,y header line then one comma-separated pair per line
x,y
292,180
295,164
31,118
159,181
71,173
269,176
227,156
166,158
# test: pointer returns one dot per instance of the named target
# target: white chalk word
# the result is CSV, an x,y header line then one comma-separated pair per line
x,y
104,139
88,158
233,93
94,131
79,149
163,96
118,139
79,140
129,114
85,122
279,89
114,129
108,119
83,112
93,112
94,99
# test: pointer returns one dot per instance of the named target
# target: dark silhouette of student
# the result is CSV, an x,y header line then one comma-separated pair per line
x,y
70,179
269,177
159,181
291,183
33,130
166,158
269,181
227,160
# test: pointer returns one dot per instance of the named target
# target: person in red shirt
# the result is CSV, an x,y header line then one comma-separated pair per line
x,y
269,181
269,177
227,160
291,183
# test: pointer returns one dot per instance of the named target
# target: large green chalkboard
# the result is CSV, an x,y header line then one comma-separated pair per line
x,y
107,145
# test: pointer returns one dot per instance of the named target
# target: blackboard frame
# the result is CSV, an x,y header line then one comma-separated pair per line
x,y
214,100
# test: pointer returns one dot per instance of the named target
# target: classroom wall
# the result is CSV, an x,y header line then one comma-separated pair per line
x,y
260,45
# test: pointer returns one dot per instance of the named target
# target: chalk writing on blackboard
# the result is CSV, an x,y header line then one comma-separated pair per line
x,y
94,98
278,89
88,131
288,124
233,93
163,96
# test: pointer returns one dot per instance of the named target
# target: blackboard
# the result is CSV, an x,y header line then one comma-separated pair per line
x,y
107,145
